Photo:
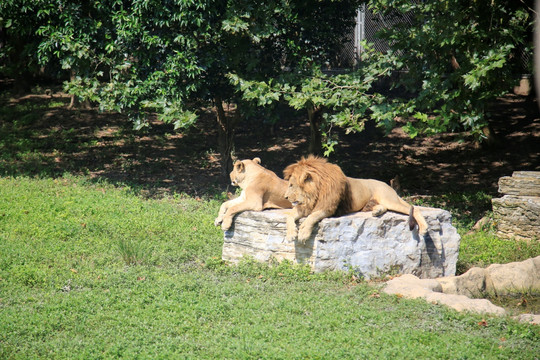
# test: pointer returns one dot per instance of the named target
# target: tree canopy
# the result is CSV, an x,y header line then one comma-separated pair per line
x,y
172,58
442,70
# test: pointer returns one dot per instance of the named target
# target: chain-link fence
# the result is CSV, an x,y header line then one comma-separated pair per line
x,y
368,24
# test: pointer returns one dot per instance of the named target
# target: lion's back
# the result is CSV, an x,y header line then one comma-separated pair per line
x,y
272,188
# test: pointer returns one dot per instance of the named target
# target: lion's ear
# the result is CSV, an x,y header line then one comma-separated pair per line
x,y
257,160
239,166
306,177
288,172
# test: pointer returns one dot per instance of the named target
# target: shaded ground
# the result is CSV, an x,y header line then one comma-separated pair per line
x,y
39,135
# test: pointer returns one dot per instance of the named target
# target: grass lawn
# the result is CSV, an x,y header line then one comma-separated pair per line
x,y
91,271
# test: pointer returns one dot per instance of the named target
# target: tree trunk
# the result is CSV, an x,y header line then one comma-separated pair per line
x,y
492,139
22,73
75,103
315,121
74,99
226,127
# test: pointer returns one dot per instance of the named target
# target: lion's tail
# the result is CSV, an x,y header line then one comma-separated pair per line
x,y
412,220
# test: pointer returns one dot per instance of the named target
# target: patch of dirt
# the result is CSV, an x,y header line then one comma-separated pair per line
x,y
161,160
425,165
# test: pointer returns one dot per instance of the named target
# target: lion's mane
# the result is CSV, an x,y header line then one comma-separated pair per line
x,y
323,185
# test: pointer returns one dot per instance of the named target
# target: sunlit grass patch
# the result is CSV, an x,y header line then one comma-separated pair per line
x,y
482,248
95,270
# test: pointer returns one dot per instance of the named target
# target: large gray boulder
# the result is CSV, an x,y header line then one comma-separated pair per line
x,y
372,246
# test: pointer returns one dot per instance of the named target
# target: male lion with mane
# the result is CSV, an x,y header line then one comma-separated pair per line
x,y
318,189
261,189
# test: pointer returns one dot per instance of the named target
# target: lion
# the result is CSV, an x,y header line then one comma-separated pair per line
x,y
261,189
318,189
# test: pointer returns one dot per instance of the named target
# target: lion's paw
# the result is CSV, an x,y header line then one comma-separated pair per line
x,y
226,224
378,212
217,221
291,234
303,235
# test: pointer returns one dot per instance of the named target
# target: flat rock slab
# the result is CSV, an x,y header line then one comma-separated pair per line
x,y
371,246
410,286
521,183
517,216
462,292
517,213
515,278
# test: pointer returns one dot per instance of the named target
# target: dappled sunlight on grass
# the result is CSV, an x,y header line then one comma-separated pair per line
x,y
95,270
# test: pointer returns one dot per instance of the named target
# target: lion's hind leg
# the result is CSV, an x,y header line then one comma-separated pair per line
x,y
378,210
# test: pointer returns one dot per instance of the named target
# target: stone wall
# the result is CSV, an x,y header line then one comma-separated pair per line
x,y
517,213
372,246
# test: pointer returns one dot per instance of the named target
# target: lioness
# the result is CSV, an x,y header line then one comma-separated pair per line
x,y
318,189
261,189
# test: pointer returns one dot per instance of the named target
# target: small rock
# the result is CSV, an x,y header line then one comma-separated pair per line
x,y
411,286
472,283
454,291
464,303
528,318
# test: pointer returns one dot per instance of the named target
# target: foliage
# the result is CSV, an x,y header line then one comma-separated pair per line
x,y
456,57
174,57
347,99
126,55
439,75
171,58
66,290
18,40
145,55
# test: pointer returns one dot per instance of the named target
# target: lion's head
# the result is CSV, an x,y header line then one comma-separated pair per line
x,y
295,189
238,173
315,183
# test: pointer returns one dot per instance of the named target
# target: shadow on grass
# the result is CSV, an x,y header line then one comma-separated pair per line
x,y
40,136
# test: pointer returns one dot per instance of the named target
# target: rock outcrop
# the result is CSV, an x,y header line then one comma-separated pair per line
x,y
517,213
411,287
497,279
372,246
457,292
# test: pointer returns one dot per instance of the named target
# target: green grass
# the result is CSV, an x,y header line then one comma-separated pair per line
x,y
32,140
483,248
88,270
